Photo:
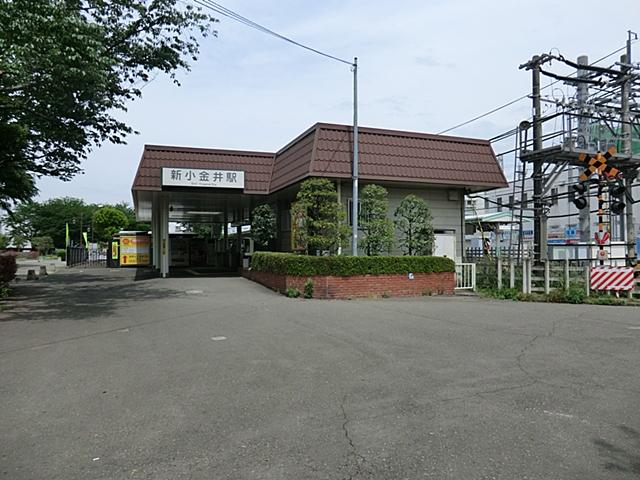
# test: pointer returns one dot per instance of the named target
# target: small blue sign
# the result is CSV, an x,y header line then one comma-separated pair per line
x,y
570,232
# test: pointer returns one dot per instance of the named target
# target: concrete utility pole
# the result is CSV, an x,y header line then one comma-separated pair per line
x,y
354,173
584,215
540,220
627,150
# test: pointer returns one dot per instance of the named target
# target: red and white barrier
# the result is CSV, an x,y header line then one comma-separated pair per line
x,y
612,278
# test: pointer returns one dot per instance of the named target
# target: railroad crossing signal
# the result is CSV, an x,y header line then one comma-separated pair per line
x,y
598,164
602,237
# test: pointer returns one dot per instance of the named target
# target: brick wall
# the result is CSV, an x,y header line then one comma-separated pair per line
x,y
361,286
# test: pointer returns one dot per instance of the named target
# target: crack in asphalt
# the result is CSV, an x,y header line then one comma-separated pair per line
x,y
355,460
538,379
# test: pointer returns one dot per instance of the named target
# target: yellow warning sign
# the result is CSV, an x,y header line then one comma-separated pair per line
x,y
134,250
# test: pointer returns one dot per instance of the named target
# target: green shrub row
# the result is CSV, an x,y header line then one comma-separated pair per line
x,y
344,266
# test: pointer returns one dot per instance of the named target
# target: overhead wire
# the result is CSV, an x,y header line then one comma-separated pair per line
x,y
222,10
501,107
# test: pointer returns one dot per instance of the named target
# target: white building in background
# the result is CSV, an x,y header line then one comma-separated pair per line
x,y
563,225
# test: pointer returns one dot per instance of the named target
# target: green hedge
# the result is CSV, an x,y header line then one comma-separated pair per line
x,y
344,266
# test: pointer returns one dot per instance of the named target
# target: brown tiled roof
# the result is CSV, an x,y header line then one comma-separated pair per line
x,y
326,150
406,157
256,165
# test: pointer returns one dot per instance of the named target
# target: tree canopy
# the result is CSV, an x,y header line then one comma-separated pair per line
x,y
263,225
68,66
107,222
376,227
414,222
317,217
48,219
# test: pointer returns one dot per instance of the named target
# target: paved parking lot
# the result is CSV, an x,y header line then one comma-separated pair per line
x,y
106,377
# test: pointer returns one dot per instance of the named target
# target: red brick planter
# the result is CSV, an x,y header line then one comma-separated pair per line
x,y
361,286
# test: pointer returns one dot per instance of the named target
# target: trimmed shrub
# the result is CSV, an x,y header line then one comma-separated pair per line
x,y
293,292
61,253
8,268
345,266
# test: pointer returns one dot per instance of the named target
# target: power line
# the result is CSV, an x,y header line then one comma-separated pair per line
x,y
216,7
455,127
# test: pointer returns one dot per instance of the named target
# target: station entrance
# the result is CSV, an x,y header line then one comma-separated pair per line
x,y
198,231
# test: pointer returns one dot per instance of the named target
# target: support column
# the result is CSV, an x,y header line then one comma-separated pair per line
x,y
626,149
584,215
540,218
225,236
164,236
155,231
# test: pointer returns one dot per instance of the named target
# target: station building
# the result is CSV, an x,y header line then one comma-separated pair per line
x,y
212,186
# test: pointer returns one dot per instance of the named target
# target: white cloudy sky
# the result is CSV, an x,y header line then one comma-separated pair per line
x,y
424,66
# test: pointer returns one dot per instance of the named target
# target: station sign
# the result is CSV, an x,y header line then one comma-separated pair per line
x,y
198,177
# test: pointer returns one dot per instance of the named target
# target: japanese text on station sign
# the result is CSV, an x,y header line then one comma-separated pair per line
x,y
192,177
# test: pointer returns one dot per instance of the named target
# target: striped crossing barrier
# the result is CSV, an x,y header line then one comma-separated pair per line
x,y
612,278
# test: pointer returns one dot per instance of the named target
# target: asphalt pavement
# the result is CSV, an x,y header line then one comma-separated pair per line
x,y
107,376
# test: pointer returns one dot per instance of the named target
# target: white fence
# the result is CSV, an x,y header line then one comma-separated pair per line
x,y
465,276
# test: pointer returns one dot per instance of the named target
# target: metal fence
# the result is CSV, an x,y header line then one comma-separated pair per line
x,y
82,257
465,276
529,277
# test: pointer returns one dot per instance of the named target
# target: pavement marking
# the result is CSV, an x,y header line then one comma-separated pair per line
x,y
633,328
557,414
217,339
123,330
193,292
96,459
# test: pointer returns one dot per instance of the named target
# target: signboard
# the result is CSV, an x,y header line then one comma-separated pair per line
x,y
195,177
134,250
612,278
601,238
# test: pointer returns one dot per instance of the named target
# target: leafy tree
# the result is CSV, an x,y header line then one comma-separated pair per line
x,y
132,223
107,222
263,225
413,220
374,223
34,219
4,241
42,244
67,66
318,217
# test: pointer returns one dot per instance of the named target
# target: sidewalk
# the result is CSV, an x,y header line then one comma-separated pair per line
x,y
24,265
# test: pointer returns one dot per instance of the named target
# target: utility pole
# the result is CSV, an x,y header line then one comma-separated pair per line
x,y
584,215
540,220
354,173
627,150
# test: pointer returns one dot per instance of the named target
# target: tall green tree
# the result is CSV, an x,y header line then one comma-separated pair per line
x,y
106,222
377,228
34,219
263,225
42,244
317,217
414,223
68,66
